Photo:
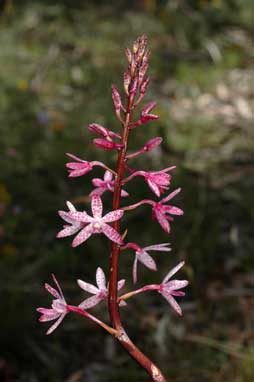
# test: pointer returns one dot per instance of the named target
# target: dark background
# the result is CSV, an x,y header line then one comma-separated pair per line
x,y
57,62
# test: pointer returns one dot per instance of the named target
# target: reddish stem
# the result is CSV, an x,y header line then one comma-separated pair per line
x,y
122,337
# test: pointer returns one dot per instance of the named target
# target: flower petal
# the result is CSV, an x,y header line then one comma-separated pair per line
x,y
90,288
171,195
147,260
135,270
162,220
120,284
173,303
176,284
100,279
173,271
82,217
56,324
52,291
90,302
163,247
68,231
112,234
96,206
113,216
83,235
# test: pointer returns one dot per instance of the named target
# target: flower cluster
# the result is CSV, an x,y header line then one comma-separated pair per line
x,y
83,224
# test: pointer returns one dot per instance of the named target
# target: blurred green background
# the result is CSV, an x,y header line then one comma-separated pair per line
x,y
57,62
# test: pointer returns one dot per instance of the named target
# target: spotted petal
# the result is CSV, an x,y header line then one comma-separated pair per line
x,y
90,288
173,271
112,234
83,235
113,216
101,279
96,206
90,302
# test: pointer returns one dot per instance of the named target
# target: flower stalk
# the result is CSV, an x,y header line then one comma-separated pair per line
x,y
84,225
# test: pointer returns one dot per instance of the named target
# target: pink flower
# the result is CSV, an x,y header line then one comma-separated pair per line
x,y
107,184
161,211
81,167
168,289
143,256
96,223
59,307
158,181
100,291
74,226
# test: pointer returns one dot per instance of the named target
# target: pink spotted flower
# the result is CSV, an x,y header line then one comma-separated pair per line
x,y
96,223
142,256
160,211
158,181
58,308
100,291
169,289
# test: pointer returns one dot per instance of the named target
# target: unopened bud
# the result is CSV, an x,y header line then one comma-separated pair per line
x,y
144,85
128,55
149,107
126,82
107,145
116,99
133,86
152,143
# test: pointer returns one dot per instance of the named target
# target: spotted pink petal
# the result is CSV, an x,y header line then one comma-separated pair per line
x,y
46,318
52,291
67,231
173,303
171,195
65,216
158,247
173,271
113,216
173,210
90,288
153,186
90,302
147,260
112,234
83,235
100,279
96,206
162,220
176,284
81,217
56,324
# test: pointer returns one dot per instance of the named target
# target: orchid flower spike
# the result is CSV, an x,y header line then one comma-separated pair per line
x,y
100,291
96,223
168,289
58,308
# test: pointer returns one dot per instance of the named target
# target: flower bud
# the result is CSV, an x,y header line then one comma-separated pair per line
x,y
126,82
107,145
152,143
116,99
